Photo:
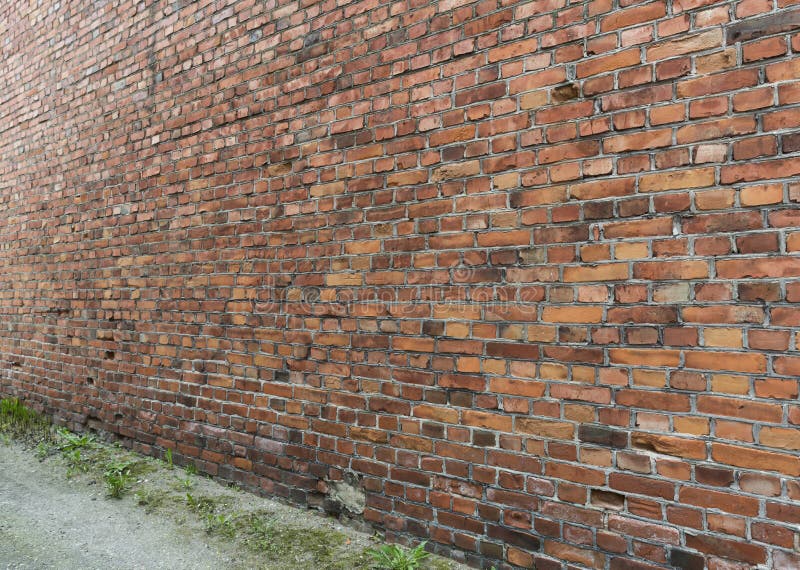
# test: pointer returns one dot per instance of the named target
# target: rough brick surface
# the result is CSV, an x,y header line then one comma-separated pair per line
x,y
529,269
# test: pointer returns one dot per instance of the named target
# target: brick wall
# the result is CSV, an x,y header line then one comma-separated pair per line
x,y
529,270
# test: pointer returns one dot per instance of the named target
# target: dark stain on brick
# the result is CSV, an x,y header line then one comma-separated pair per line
x,y
713,476
344,82
686,560
433,328
491,549
311,39
791,143
565,92
512,350
598,210
354,138
522,539
602,435
461,399
431,429
312,51
484,438
778,23
608,499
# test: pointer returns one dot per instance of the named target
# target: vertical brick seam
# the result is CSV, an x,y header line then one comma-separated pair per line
x,y
528,269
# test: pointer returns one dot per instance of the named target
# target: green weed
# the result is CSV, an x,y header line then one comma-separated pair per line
x,y
220,524
75,462
394,557
72,441
43,450
202,504
117,476
120,466
116,484
151,499
168,458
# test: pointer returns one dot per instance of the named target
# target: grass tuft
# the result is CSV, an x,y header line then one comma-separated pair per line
x,y
117,476
394,557
20,423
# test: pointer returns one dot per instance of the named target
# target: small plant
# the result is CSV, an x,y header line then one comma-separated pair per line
x,y
219,524
117,475
191,469
191,502
75,462
43,450
168,458
143,499
119,466
261,534
116,484
394,557
72,441
187,483
150,499
200,504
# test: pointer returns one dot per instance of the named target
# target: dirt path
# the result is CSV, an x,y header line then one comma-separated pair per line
x,y
48,521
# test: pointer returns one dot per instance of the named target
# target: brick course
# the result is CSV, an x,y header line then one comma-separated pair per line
x,y
528,269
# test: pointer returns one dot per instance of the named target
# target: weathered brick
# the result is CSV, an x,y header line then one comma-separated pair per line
x,y
766,25
602,435
686,560
744,552
668,445
414,239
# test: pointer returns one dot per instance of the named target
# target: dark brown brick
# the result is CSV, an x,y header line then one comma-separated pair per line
x,y
602,435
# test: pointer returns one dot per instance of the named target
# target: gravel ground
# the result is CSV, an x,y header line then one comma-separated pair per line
x,y
56,514
48,521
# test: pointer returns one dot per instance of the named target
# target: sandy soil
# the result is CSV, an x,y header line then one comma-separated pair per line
x,y
48,521
55,513
56,516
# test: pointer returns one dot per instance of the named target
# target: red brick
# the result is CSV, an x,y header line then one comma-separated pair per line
x,y
658,270
758,267
639,141
653,400
756,459
548,249
728,502
696,178
718,129
687,44
678,446
729,549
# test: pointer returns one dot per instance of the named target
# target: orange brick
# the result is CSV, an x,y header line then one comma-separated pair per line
x,y
602,272
575,314
696,178
736,362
